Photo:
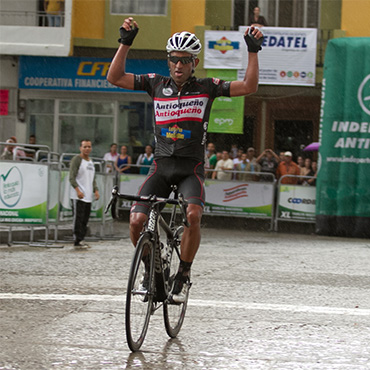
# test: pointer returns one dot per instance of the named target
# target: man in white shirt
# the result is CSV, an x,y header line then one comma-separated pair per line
x,y
83,192
224,166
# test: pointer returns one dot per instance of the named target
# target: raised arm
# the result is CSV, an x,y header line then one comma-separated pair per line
x,y
253,38
117,71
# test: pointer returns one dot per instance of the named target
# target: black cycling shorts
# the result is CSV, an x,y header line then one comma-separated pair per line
x,y
186,173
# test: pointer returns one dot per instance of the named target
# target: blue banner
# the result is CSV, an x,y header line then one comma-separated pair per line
x,y
78,74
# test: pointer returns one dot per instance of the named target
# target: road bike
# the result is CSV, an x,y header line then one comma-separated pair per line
x,y
153,268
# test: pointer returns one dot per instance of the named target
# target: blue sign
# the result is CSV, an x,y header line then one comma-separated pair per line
x,y
78,74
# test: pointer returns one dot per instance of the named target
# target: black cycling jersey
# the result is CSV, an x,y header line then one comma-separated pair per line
x,y
181,117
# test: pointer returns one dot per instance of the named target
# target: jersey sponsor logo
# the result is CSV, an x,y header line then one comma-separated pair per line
x,y
189,108
167,91
216,81
151,75
175,133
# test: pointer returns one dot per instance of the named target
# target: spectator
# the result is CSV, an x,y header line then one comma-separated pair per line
x,y
123,161
54,10
269,161
233,151
7,154
237,160
83,192
281,156
32,141
223,168
257,19
288,167
211,159
110,157
251,155
252,167
242,167
238,157
300,161
312,182
145,159
305,171
18,150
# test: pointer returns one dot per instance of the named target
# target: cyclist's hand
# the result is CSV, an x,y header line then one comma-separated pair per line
x,y
253,37
128,31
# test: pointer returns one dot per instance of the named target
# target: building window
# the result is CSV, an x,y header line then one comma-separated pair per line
x,y
41,120
80,120
62,124
279,13
152,7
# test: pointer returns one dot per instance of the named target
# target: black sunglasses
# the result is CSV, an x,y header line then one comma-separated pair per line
x,y
183,60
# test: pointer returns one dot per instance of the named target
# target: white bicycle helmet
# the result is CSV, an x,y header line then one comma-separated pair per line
x,y
184,41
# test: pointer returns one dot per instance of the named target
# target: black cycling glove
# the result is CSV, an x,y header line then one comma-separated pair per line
x,y
127,37
254,45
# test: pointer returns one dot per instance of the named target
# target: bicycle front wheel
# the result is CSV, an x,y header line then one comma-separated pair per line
x,y
140,289
174,314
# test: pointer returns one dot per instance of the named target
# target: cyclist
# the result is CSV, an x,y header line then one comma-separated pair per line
x,y
182,106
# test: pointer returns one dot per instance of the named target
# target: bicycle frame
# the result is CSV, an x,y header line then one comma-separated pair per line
x,y
156,220
157,267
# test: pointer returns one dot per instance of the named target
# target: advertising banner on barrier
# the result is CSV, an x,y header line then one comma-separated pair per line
x,y
227,114
23,193
65,211
54,180
129,184
223,198
239,198
288,56
297,203
97,206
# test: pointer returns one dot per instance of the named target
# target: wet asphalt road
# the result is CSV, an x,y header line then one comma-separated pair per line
x,y
259,300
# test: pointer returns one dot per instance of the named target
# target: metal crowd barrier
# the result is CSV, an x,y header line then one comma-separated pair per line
x,y
294,202
24,192
34,192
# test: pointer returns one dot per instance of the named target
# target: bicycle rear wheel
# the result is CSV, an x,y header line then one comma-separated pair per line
x,y
140,289
174,314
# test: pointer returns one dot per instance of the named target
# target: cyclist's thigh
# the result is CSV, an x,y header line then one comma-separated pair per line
x,y
155,183
192,186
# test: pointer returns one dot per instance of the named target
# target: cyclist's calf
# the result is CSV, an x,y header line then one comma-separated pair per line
x,y
191,238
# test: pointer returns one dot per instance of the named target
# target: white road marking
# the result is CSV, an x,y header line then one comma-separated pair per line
x,y
194,302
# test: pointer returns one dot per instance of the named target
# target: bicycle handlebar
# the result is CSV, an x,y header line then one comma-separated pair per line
x,y
180,201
